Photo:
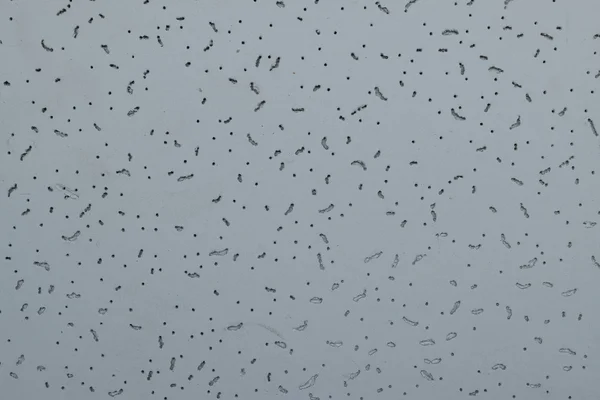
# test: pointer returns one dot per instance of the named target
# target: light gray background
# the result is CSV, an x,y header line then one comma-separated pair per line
x,y
182,213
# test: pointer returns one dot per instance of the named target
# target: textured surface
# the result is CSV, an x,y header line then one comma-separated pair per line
x,y
299,199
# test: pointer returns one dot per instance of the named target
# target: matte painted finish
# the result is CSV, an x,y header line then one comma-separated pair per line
x,y
299,199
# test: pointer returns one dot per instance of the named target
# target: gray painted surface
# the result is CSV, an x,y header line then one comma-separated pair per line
x,y
299,199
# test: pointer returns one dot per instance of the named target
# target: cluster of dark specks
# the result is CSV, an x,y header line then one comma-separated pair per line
x,y
299,199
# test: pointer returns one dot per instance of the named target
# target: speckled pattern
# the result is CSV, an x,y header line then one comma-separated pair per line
x,y
299,199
